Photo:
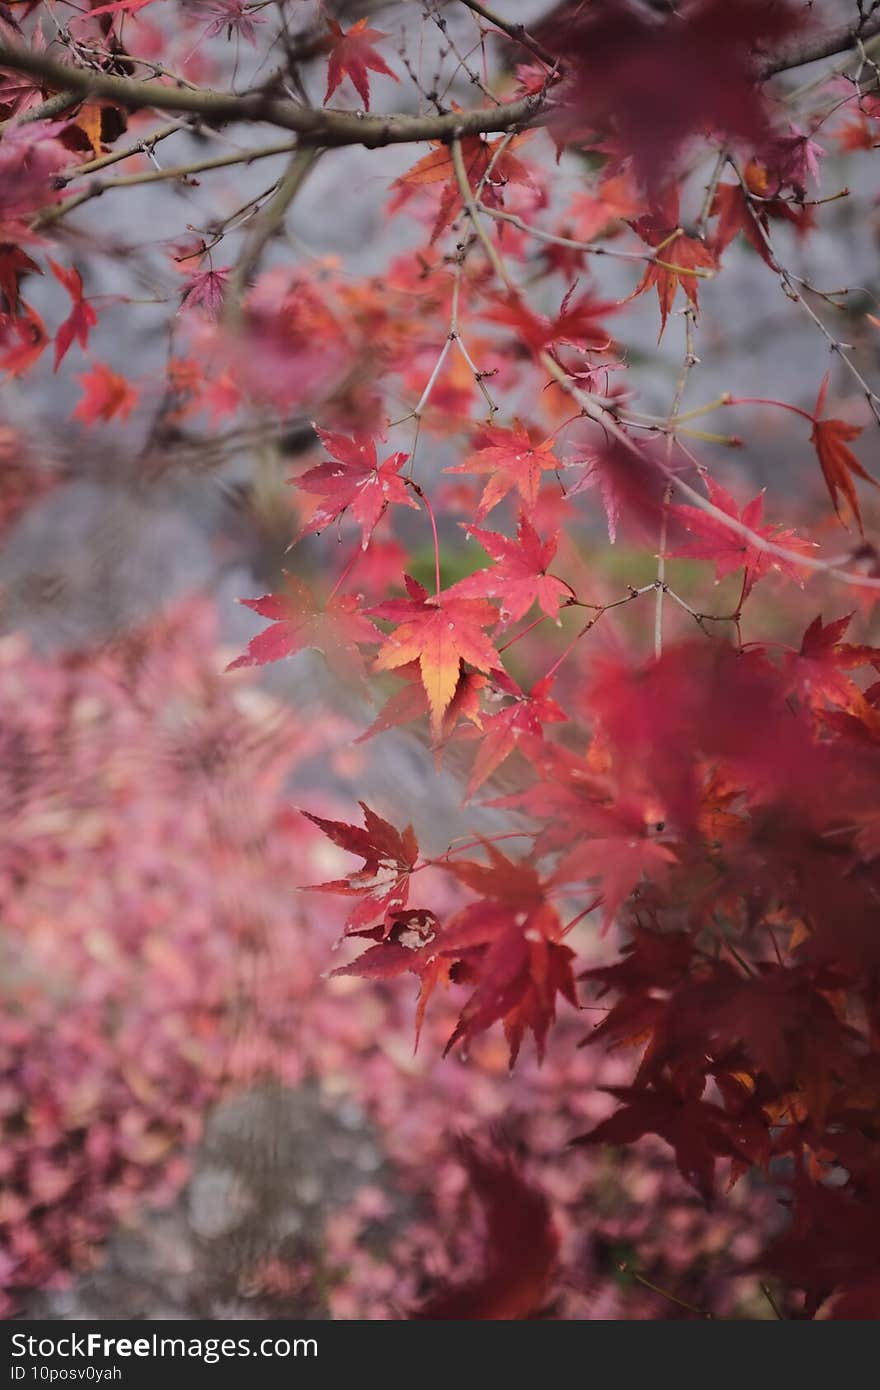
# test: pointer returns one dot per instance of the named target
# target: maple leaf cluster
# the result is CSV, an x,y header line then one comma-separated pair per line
x,y
751,902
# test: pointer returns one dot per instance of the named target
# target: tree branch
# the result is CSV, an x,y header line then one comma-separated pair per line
x,y
271,218
333,127
317,127
810,50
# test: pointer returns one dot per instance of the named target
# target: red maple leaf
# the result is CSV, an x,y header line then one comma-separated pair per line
x,y
770,1015
351,54
30,156
521,1246
619,853
501,733
615,198
575,323
749,210
650,960
632,486
337,630
235,16
389,855
675,248
509,945
106,394
736,213
830,1247
205,291
519,575
698,1131
815,671
512,461
82,315
407,940
839,463
439,632
354,479
728,548
23,339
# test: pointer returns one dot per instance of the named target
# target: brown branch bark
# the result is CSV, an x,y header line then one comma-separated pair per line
x,y
817,46
317,127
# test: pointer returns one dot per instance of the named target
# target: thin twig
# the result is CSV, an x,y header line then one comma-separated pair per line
x,y
592,248
98,187
517,32
680,386
793,293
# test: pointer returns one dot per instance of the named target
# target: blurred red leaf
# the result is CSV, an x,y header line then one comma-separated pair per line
x,y
106,394
82,315
520,1252
336,630
657,80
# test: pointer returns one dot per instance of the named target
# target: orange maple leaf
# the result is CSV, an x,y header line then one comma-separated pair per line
x,y
477,154
592,213
105,394
439,632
